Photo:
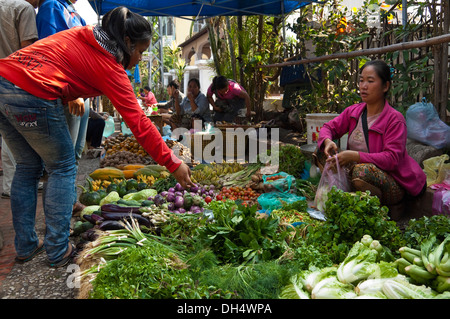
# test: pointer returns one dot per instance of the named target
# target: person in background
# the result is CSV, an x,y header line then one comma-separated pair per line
x,y
141,92
230,99
148,99
96,125
36,93
14,36
194,106
376,158
166,108
54,16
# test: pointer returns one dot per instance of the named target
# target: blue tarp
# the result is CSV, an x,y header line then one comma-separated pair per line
x,y
198,8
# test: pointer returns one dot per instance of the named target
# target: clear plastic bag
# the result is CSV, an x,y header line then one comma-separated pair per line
x,y
109,127
332,175
425,126
281,181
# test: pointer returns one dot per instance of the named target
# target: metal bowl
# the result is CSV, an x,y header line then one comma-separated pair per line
x,y
308,149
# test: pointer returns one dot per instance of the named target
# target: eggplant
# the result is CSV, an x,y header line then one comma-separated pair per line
x,y
120,209
96,218
120,215
89,219
111,225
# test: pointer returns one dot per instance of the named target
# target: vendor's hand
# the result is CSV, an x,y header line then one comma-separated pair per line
x,y
183,175
330,148
345,158
76,107
190,96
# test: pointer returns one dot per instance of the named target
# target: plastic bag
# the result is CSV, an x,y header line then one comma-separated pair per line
x,y
167,130
331,176
425,126
109,127
436,169
278,182
441,202
274,200
125,129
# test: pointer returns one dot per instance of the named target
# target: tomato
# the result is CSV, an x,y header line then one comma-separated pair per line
x,y
208,199
219,197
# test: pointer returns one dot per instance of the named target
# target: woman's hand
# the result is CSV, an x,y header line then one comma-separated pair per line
x,y
330,147
183,175
345,157
76,107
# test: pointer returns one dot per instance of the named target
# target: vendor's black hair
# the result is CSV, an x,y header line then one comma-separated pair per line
x,y
382,69
195,80
119,23
175,84
219,82
147,88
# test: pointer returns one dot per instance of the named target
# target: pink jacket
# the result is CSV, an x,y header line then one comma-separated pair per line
x,y
387,144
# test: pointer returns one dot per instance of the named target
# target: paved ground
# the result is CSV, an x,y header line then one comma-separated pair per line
x,y
34,280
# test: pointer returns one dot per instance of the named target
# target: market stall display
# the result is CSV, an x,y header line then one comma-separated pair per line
x,y
216,240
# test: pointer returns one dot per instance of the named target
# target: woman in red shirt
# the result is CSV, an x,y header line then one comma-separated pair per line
x,y
35,83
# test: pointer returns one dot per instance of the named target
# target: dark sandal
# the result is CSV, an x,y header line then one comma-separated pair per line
x,y
65,260
35,252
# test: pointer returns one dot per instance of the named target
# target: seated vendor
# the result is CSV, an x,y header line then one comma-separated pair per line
x,y
376,158
230,99
148,99
167,108
194,106
173,90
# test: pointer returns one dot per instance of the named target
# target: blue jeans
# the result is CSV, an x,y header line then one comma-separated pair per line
x,y
37,134
78,128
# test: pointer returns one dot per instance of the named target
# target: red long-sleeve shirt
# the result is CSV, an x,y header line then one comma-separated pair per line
x,y
71,64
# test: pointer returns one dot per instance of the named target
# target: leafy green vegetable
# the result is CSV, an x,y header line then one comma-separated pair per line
x,y
163,184
141,195
112,196
237,235
150,272
253,281
402,289
291,160
418,230
350,216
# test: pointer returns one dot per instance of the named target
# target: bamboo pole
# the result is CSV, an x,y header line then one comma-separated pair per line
x,y
373,51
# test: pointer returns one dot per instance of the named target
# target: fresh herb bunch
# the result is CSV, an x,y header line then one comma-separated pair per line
x,y
150,272
350,216
420,229
291,160
238,236
253,281
163,184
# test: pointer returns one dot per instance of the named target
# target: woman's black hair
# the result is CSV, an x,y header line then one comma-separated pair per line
x,y
382,69
174,83
147,88
219,82
120,23
195,80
